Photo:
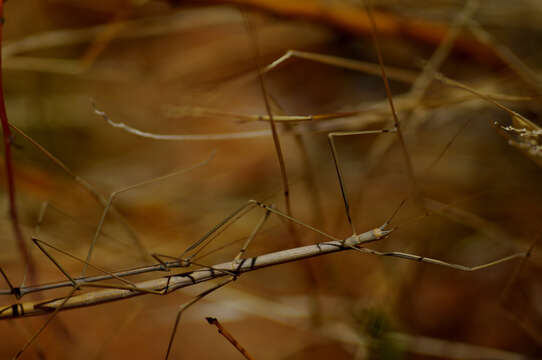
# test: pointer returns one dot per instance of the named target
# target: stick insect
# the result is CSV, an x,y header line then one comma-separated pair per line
x,y
235,266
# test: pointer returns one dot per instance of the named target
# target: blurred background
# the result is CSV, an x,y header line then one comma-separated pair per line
x,y
190,68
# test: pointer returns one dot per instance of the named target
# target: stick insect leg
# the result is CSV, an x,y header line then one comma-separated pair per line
x,y
205,239
187,263
186,306
11,288
85,185
338,168
118,192
294,220
252,236
50,319
420,82
38,242
130,285
419,258
415,117
47,322
26,333
355,65
75,287
43,209
519,269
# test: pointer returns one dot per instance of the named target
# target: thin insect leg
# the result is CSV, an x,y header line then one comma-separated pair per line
x,y
61,327
355,65
131,285
448,145
309,271
460,216
392,216
187,263
53,315
222,247
277,212
252,235
218,233
53,260
41,216
186,306
119,329
86,185
36,229
158,257
124,287
450,82
415,116
338,168
43,209
11,288
246,206
310,179
79,222
209,267
519,269
418,258
26,333
309,268
116,193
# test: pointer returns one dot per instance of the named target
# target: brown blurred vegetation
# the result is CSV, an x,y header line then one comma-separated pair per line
x,y
138,60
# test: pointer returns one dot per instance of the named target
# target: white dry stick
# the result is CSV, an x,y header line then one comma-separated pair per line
x,y
194,137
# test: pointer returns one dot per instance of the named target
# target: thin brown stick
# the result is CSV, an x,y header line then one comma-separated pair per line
x,y
197,111
222,331
10,177
276,141
408,162
309,270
